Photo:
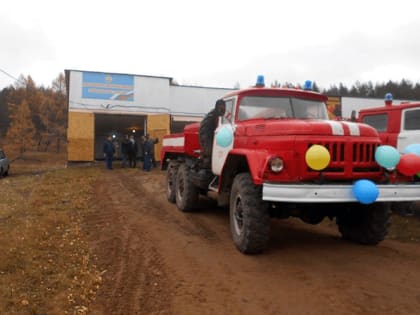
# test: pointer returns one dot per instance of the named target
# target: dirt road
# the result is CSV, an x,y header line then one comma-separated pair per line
x,y
158,260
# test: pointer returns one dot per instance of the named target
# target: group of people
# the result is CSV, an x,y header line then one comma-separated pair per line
x,y
130,151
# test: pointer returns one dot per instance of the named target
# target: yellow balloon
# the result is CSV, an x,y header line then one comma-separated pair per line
x,y
317,157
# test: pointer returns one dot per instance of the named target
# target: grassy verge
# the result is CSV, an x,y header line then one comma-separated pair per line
x,y
35,162
45,266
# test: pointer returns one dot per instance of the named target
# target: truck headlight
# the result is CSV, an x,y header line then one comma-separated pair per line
x,y
276,164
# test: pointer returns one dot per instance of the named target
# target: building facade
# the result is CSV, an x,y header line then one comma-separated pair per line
x,y
102,104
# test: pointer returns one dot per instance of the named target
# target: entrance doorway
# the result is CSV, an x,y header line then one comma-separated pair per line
x,y
116,125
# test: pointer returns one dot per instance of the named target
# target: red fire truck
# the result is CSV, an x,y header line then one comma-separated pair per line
x,y
397,125
276,155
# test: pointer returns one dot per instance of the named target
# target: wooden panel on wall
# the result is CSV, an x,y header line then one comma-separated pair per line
x,y
157,127
80,136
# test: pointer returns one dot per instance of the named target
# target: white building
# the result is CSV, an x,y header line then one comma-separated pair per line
x,y
101,104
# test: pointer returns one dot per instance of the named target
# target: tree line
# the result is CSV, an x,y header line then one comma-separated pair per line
x,y
404,89
33,116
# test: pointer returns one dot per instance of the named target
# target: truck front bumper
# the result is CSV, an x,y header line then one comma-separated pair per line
x,y
307,193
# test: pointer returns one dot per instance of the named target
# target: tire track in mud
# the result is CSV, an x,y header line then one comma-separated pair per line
x,y
150,240
186,229
189,224
159,260
134,275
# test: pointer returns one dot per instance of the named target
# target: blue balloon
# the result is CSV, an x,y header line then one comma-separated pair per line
x,y
365,191
413,148
387,156
224,137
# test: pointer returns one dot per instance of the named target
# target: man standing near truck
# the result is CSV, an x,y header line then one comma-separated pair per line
x,y
132,152
125,146
109,151
147,153
207,127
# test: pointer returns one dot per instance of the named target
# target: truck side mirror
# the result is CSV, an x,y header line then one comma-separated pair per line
x,y
353,115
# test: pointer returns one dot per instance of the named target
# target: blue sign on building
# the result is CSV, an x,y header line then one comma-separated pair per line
x,y
106,86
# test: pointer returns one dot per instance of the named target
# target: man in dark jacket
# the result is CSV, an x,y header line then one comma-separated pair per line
x,y
207,128
152,151
125,147
109,151
132,152
147,153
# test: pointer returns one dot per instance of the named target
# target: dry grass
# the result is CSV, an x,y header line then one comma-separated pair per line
x,y
46,267
33,162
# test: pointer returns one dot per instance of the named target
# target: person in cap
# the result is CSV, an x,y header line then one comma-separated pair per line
x,y
207,127
109,151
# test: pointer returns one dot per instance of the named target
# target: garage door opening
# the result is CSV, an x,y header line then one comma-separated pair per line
x,y
117,126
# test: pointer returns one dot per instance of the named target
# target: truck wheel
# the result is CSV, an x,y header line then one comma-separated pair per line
x,y
170,181
249,216
365,224
186,194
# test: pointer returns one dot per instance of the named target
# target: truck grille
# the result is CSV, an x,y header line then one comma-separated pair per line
x,y
364,152
354,157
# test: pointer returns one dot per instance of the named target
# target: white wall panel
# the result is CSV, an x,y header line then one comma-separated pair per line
x,y
194,101
151,95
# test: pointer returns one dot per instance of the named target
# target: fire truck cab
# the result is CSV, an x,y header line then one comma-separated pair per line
x,y
397,125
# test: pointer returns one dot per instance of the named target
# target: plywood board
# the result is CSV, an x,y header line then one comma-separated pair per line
x,y
80,136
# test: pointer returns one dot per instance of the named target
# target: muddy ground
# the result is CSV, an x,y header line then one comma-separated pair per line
x,y
155,259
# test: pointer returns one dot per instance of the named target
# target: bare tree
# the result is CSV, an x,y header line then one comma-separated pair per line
x,y
21,130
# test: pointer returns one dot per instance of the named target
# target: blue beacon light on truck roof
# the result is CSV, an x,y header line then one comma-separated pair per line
x,y
388,99
260,81
308,85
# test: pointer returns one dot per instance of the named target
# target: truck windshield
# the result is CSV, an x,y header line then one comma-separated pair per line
x,y
252,107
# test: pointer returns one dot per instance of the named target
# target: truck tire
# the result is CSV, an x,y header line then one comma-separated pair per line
x,y
170,181
365,224
249,216
186,194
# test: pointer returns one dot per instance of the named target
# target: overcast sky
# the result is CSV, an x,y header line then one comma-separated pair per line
x,y
217,43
